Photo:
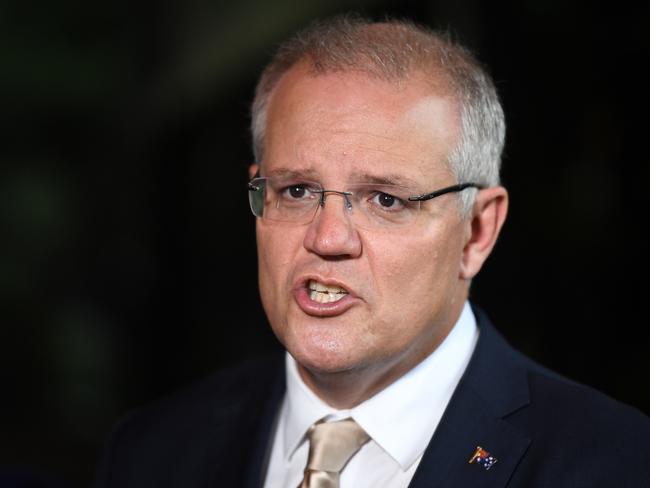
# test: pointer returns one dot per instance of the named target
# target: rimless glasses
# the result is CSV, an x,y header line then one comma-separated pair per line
x,y
369,205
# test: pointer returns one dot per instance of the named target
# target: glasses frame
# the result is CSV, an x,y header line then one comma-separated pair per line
x,y
322,191
448,189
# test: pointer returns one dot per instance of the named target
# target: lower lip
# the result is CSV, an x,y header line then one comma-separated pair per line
x,y
311,307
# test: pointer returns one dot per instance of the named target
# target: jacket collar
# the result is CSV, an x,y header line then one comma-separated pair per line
x,y
494,385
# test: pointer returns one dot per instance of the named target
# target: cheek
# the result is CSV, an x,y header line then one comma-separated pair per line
x,y
415,272
276,251
273,251
405,262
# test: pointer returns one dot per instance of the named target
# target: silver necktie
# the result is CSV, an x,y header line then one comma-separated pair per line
x,y
331,445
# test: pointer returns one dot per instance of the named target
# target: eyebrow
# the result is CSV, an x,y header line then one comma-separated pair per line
x,y
305,173
357,177
387,179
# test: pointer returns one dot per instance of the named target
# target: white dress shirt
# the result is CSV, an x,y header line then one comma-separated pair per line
x,y
400,419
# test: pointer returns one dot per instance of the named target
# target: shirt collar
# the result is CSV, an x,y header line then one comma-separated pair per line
x,y
403,416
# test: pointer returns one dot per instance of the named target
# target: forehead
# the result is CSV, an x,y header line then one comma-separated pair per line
x,y
351,124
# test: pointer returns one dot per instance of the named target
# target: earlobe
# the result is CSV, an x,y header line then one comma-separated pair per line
x,y
489,214
253,169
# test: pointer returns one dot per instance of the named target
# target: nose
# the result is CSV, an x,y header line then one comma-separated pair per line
x,y
332,233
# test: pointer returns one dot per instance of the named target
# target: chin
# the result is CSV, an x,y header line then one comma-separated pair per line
x,y
324,344
321,353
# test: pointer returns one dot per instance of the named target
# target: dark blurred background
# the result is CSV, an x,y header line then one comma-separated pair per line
x,y
127,258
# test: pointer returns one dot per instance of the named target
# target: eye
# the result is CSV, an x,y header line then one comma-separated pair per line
x,y
298,191
388,201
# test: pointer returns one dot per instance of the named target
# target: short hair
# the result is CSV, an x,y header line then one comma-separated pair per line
x,y
392,50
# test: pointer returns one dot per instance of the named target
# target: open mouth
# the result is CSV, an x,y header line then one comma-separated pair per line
x,y
322,293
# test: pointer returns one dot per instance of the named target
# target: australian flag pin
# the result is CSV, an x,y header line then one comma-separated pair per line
x,y
482,458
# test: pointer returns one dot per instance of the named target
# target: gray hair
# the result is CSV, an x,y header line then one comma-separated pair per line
x,y
393,50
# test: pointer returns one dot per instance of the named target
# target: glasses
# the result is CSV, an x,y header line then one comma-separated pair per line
x,y
369,205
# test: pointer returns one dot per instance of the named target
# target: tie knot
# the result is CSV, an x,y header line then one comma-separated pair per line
x,y
332,444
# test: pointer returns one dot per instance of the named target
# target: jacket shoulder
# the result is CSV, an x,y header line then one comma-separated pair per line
x,y
578,436
581,436
167,442
223,390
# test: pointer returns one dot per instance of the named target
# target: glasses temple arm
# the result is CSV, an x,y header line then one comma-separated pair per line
x,y
443,191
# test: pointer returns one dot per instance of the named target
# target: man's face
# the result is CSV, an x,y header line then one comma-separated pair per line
x,y
404,290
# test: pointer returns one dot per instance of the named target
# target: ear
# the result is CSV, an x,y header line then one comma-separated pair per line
x,y
253,170
488,216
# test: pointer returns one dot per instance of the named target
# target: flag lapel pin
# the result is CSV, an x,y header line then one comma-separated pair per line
x,y
482,458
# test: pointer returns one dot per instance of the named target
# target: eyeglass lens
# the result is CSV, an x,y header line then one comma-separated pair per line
x,y
367,205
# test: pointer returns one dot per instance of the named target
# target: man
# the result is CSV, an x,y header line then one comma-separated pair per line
x,y
377,197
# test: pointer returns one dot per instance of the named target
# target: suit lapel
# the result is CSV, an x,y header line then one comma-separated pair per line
x,y
263,441
243,427
493,386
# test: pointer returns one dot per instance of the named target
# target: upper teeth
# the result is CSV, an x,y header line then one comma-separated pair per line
x,y
325,293
315,285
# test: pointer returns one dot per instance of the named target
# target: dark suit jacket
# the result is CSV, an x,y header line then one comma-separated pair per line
x,y
544,430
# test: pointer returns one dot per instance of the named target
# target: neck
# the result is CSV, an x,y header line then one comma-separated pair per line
x,y
344,389
347,389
